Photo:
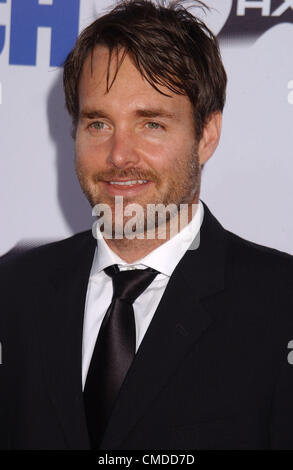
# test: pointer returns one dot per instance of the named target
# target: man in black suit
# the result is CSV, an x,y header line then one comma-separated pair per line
x,y
211,366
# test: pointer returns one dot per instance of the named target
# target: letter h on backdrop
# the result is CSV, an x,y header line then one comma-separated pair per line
x,y
62,16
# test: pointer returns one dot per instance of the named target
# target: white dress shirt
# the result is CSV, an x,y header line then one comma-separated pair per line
x,y
164,259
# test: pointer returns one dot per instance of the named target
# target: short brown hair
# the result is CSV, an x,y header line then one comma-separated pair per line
x,y
167,44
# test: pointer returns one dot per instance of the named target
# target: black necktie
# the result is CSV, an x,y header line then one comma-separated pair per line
x,y
114,349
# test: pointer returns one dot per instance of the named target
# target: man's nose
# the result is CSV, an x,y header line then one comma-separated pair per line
x,y
123,151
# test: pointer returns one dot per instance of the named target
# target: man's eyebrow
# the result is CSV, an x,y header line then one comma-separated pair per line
x,y
93,114
154,112
143,112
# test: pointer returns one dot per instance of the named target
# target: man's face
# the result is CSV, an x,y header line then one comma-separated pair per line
x,y
132,133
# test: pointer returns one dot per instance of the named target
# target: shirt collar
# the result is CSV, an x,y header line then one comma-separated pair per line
x,y
164,258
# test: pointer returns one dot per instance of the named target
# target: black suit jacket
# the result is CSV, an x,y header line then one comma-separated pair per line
x,y
212,372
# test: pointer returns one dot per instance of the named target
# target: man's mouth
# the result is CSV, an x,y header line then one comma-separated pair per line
x,y
127,187
128,182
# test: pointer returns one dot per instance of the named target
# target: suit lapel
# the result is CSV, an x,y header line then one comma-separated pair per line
x,y
60,329
178,323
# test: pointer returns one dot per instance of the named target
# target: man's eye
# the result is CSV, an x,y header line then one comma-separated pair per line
x,y
98,125
154,125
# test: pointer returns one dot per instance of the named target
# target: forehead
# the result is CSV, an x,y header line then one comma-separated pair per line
x,y
129,88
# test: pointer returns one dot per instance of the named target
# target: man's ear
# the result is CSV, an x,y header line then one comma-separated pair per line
x,y
210,137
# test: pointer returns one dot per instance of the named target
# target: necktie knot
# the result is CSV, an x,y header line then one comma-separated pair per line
x,y
128,285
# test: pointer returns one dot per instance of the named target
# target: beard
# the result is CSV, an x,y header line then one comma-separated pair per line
x,y
180,185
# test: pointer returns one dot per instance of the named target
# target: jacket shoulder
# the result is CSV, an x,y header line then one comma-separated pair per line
x,y
257,254
267,270
43,256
